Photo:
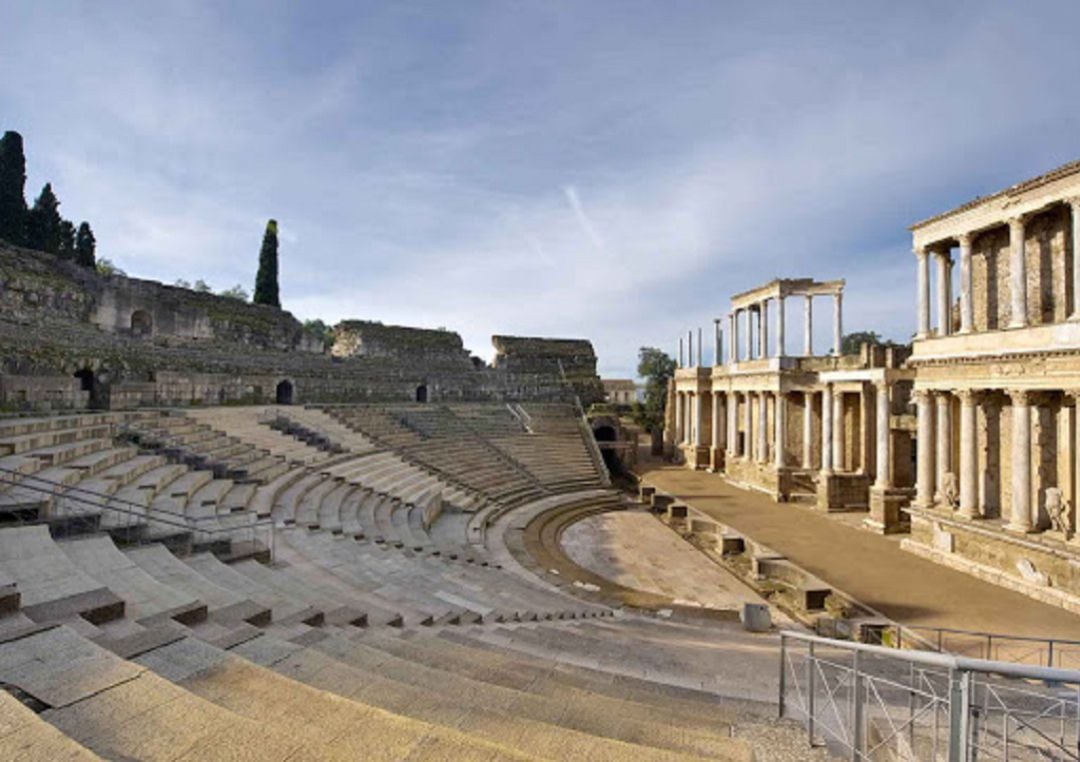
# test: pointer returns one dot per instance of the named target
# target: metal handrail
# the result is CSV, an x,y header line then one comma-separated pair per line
x,y
128,508
990,639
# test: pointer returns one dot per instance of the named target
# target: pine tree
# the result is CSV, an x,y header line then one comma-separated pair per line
x,y
266,280
12,183
85,244
66,248
43,222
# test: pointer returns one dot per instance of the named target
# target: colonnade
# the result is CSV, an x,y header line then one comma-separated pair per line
x,y
755,340
978,495
941,252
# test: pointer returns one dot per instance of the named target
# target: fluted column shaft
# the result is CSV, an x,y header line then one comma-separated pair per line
x,y
678,418
780,414
967,306
943,305
763,427
748,349
763,335
969,485
826,429
838,323
1017,274
718,343
944,440
924,485
748,428
883,477
699,420
1020,516
808,430
808,326
838,431
780,337
733,337
923,293
690,348
732,424
714,428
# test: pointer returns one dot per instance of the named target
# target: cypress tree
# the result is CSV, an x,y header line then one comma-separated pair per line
x,y
266,279
12,183
43,222
85,244
66,249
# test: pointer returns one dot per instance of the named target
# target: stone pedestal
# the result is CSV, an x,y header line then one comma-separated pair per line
x,y
886,514
718,457
843,492
699,457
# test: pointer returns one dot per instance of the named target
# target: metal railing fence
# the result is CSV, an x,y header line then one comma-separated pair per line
x,y
869,702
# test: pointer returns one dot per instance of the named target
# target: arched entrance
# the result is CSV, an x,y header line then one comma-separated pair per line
x,y
421,393
607,433
88,382
284,393
141,323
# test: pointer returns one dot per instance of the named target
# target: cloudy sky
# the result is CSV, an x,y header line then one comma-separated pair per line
x,y
612,170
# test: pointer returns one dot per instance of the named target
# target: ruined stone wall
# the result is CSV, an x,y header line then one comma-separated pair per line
x,y
365,338
575,357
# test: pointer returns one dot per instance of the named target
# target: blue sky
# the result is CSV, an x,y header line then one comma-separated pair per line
x,y
612,170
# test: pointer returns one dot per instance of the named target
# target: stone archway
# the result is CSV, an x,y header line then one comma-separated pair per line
x,y
283,395
141,323
422,393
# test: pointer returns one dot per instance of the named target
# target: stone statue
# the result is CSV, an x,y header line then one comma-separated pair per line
x,y
1059,510
949,492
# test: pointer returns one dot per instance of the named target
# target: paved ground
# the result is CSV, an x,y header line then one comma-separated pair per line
x,y
871,568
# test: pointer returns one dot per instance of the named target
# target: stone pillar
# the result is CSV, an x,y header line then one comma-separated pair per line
x,y
748,428
748,353
924,485
718,343
733,335
715,428
826,429
678,418
882,477
838,431
943,445
1074,209
763,336
780,327
690,348
700,348
780,414
967,302
808,430
682,363
867,418
838,323
1017,274
969,456
1020,517
732,424
943,305
808,328
763,427
698,420
923,273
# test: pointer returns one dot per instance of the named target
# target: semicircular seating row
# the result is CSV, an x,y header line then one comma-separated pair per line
x,y
378,632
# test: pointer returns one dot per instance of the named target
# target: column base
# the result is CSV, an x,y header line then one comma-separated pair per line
x,y
886,511
1020,529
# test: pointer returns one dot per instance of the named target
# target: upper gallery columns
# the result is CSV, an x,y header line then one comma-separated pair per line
x,y
762,312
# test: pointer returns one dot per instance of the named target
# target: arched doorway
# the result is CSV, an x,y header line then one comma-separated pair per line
x,y
607,433
284,393
88,382
141,323
421,393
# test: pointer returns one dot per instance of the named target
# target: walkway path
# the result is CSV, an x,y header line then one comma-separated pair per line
x,y
871,568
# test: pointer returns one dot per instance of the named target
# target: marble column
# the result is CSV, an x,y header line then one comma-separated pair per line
x,y
1020,516
808,430
826,429
969,456
690,348
943,454
718,343
715,423
763,336
682,360
780,416
1017,274
867,418
732,410
763,427
838,323
923,293
967,304
748,428
808,327
733,339
1074,214
882,477
700,347
943,305
748,349
678,418
924,485
699,420
780,327
838,431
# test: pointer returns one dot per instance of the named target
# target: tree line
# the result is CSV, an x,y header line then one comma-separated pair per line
x,y
40,226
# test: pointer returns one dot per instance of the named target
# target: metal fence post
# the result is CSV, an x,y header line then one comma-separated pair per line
x,y
856,709
810,669
959,715
783,682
